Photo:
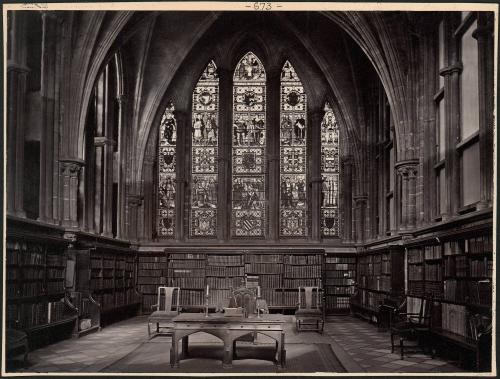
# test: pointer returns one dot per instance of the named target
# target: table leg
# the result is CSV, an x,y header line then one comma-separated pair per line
x,y
185,342
227,361
174,357
282,352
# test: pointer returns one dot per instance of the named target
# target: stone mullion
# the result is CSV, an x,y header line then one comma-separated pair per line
x,y
183,156
360,210
485,41
122,104
273,151
70,173
224,155
314,174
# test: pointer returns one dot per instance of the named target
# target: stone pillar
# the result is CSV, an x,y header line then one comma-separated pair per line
x,y
104,185
147,185
133,203
182,199
17,73
346,181
360,206
70,176
273,150
407,180
485,42
121,101
224,161
49,117
314,167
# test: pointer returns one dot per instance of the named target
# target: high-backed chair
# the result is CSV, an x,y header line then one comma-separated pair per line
x,y
309,315
166,309
412,328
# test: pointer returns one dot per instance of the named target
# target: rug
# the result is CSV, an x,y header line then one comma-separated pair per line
x,y
153,356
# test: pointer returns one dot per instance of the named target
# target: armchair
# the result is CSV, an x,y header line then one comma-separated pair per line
x,y
166,309
412,328
309,315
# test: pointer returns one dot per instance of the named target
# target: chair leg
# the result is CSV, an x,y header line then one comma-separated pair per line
x,y
401,345
149,329
392,343
157,327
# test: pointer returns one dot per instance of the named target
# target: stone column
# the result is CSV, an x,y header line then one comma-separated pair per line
x,y
133,203
147,185
485,42
360,206
17,73
70,176
49,117
121,101
346,181
314,171
407,178
273,150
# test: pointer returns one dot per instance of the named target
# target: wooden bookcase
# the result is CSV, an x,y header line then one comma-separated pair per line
x,y
36,300
151,273
188,272
340,277
380,277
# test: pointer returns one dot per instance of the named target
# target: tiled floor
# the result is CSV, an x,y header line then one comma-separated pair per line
x,y
359,346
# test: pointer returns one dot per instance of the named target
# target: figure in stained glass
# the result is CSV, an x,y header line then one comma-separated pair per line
x,y
248,152
204,154
329,174
293,135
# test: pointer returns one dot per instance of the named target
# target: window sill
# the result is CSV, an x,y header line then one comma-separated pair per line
x,y
467,208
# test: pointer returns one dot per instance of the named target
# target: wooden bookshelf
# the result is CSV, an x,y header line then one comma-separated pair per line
x,y
187,271
339,279
36,299
268,268
224,271
380,277
152,272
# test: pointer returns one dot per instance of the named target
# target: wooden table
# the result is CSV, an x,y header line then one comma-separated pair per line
x,y
228,329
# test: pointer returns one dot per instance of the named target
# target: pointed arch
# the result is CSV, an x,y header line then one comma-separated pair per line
x,y
330,173
204,154
293,155
167,162
248,200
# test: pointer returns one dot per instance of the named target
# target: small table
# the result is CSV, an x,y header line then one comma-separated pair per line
x,y
228,329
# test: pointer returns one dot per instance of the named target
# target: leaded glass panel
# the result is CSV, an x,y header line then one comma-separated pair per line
x,y
293,137
329,174
166,173
249,208
204,152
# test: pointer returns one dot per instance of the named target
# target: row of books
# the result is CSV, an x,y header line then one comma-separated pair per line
x,y
13,274
339,290
56,260
270,281
195,263
309,259
182,272
452,248
152,272
303,271
371,300
479,245
342,260
481,268
304,282
272,297
149,288
470,291
189,297
54,273
378,283
152,265
264,258
264,268
217,297
225,260
225,271
336,302
151,280
456,266
339,281
30,315
340,274
186,256
224,283
415,255
55,287
187,282
433,272
33,273
95,263
453,318
32,258
433,252
415,272
340,266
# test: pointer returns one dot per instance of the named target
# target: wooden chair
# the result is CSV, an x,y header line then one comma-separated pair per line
x,y
16,343
309,315
412,328
166,309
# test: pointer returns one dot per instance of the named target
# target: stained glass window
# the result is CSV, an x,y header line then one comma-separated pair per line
x,y
166,173
329,174
249,148
204,152
293,137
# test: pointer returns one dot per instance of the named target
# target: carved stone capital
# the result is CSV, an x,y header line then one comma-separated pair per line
x,y
102,141
407,169
134,200
360,200
71,166
456,67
